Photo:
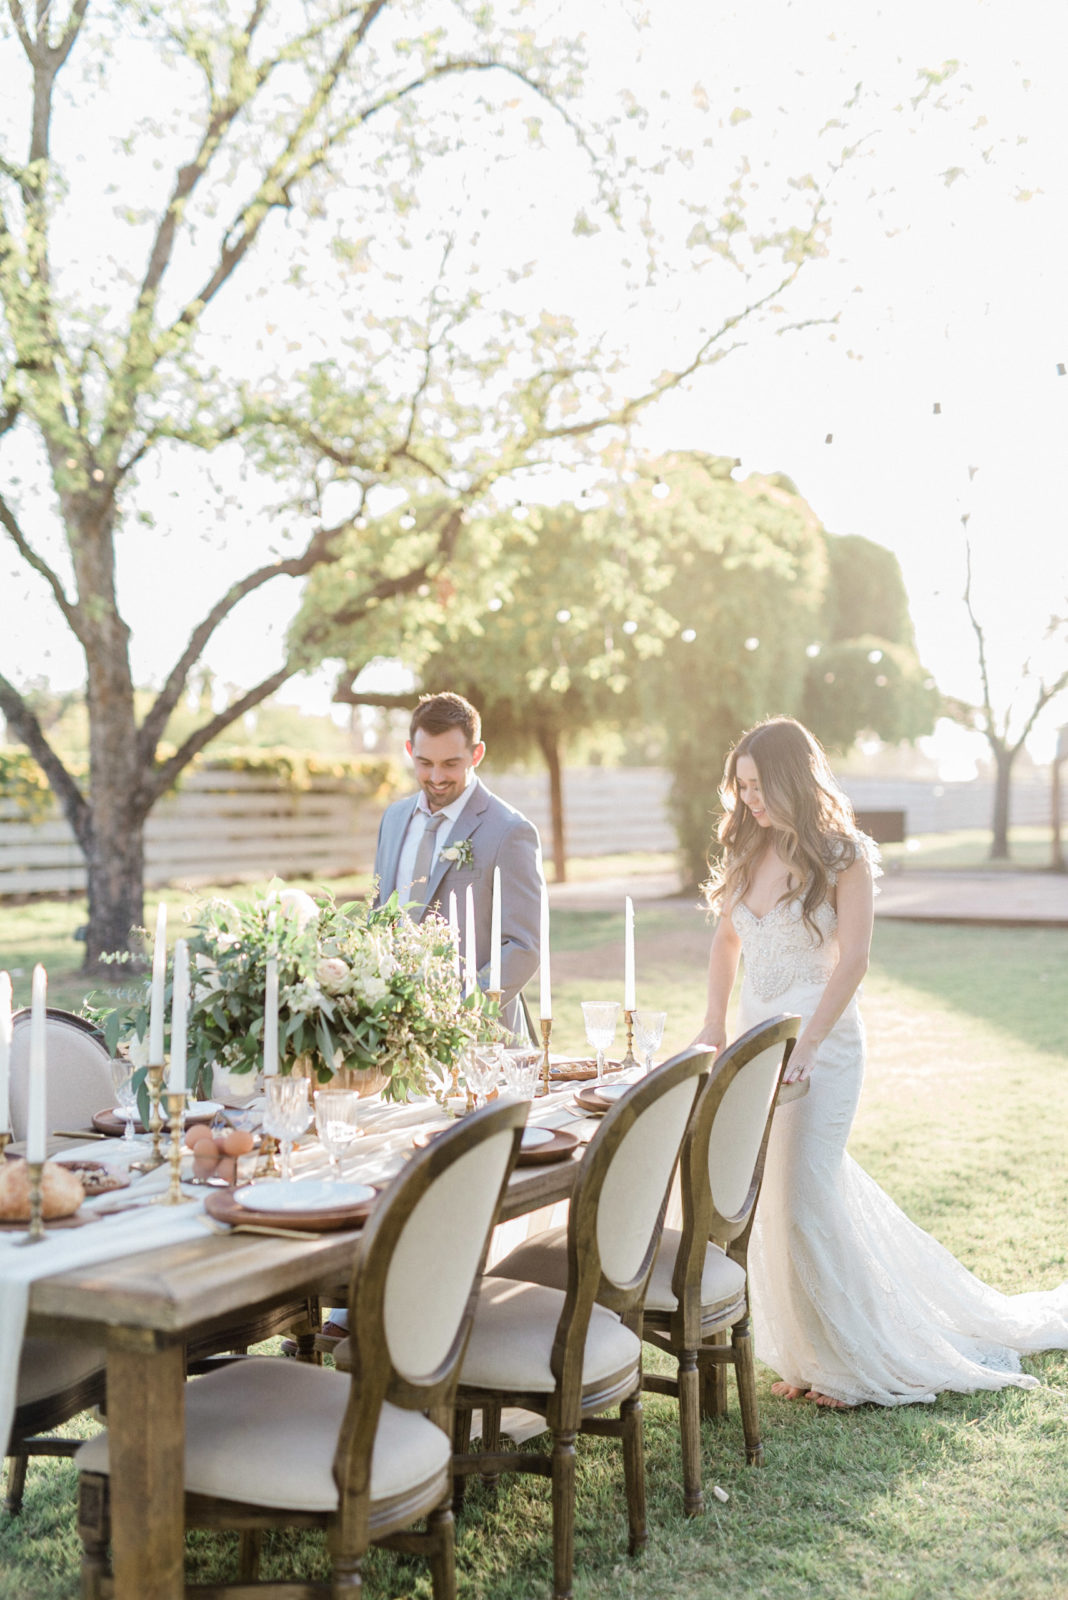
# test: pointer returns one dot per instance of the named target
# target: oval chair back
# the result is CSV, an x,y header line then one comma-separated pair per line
x,y
79,1071
723,1154
617,1207
415,1280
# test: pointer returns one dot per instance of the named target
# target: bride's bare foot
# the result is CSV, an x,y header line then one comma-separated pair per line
x,y
827,1400
788,1391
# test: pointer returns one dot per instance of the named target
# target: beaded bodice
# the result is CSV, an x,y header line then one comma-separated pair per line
x,y
779,949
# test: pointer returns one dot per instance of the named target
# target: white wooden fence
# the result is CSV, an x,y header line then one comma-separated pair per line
x,y
219,827
227,826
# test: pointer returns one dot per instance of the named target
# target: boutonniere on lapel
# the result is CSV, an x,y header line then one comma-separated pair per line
x,y
459,853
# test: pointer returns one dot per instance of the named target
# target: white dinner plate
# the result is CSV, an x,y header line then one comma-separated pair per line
x,y
610,1091
533,1137
308,1194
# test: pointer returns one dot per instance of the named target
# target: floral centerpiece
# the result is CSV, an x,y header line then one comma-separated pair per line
x,y
357,989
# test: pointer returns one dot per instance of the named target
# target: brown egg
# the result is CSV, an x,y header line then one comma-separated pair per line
x,y
197,1134
235,1142
205,1159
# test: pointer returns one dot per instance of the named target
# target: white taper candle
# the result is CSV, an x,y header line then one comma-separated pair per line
x,y
159,979
470,950
179,1017
38,1085
270,1020
545,980
495,935
5,1051
629,998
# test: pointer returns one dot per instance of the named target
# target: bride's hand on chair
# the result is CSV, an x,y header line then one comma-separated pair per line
x,y
801,1062
712,1035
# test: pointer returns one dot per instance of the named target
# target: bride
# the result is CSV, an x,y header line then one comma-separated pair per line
x,y
852,1302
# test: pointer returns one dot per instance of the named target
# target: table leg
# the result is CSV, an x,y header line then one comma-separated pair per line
x,y
146,1448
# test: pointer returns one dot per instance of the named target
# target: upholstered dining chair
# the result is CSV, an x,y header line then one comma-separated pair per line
x,y
79,1071
572,1352
55,1382
271,1442
698,1293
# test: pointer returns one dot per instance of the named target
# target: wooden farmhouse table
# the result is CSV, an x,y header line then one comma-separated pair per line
x,y
146,1308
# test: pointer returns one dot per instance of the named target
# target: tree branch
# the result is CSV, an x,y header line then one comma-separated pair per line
x,y
995,739
316,551
27,728
164,775
38,563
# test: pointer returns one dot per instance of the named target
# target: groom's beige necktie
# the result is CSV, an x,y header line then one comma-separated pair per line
x,y
423,856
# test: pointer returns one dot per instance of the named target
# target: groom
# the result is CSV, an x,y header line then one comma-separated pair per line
x,y
452,834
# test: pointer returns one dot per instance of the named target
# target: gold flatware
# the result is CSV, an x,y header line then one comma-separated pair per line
x,y
225,1228
71,1133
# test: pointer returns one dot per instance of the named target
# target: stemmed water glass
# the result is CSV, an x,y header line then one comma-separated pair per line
x,y
600,1017
125,1096
337,1122
482,1066
520,1066
648,1033
287,1115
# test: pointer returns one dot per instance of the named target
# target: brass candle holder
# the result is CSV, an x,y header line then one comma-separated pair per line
x,y
176,1102
546,1034
630,1060
36,1231
155,1158
5,1140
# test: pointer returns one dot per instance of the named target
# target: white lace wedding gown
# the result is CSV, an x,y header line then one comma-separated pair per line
x,y
849,1297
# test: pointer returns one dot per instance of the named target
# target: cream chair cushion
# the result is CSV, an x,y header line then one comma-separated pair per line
x,y
512,1340
543,1259
264,1431
722,1280
48,1366
79,1075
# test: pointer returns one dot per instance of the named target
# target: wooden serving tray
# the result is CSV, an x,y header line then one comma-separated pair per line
x,y
221,1204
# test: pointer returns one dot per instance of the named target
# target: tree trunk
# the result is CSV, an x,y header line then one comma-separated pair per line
x,y
549,745
115,865
999,847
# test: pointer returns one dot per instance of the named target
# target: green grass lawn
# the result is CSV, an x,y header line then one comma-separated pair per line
x,y
964,1121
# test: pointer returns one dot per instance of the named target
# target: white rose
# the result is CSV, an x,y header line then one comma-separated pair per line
x,y
373,988
137,1052
332,974
298,906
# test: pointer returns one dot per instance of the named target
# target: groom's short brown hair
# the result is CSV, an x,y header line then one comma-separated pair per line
x,y
437,713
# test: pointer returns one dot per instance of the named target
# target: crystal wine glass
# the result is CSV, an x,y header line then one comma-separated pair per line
x,y
482,1066
337,1122
125,1096
520,1067
287,1115
648,1034
600,1017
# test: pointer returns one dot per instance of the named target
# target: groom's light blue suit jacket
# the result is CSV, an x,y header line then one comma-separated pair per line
x,y
500,837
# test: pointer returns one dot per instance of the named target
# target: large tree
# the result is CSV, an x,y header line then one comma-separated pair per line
x,y
211,247
1006,719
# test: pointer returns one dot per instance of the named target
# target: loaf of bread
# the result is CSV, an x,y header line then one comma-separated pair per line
x,y
61,1190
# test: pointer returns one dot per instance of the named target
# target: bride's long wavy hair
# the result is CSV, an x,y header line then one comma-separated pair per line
x,y
812,821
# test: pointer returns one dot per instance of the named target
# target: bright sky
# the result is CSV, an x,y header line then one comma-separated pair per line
x,y
946,257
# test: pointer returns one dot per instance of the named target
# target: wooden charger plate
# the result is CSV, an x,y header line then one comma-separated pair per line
x,y
222,1205
588,1098
558,1148
107,1122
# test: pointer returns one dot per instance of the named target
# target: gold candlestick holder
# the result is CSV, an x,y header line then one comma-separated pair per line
x,y
155,1158
630,1060
176,1101
5,1140
546,1035
495,995
36,1232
